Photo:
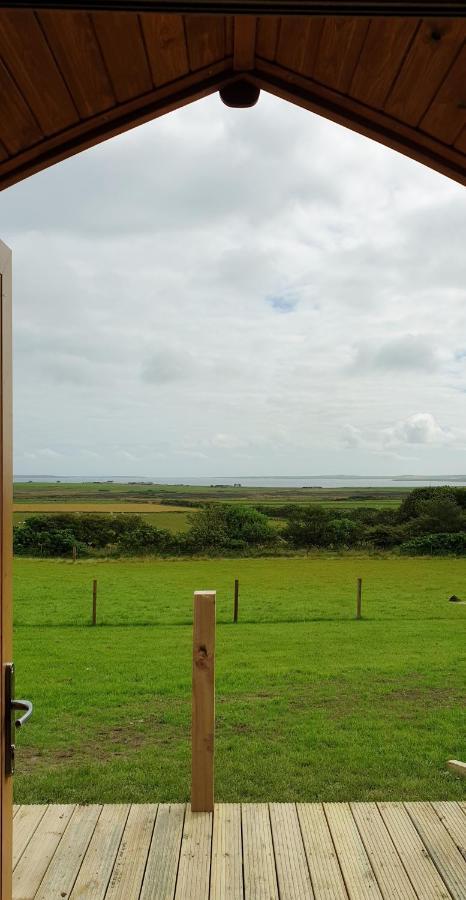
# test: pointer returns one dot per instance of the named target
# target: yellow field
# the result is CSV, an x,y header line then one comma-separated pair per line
x,y
104,507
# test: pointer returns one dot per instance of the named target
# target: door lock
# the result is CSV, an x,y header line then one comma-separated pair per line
x,y
11,721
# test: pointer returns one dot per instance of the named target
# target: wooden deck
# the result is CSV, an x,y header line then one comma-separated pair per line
x,y
275,851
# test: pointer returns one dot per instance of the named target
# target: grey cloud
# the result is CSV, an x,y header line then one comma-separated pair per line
x,y
405,353
166,367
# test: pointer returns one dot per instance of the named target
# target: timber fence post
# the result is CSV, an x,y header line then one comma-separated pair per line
x,y
94,601
359,599
203,699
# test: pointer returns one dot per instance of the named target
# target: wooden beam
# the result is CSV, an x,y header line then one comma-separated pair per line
x,y
203,726
115,121
457,767
416,8
355,115
244,48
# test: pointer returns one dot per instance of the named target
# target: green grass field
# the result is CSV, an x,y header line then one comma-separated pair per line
x,y
311,704
107,493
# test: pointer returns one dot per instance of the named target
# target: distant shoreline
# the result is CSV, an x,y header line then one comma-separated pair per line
x,y
291,481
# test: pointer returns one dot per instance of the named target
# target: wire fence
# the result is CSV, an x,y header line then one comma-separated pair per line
x,y
53,593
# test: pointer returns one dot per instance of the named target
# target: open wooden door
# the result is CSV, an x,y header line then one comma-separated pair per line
x,y
6,560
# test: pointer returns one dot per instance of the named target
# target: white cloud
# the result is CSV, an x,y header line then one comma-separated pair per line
x,y
227,442
420,428
352,437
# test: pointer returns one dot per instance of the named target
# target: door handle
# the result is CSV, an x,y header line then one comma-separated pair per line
x,y
22,704
11,720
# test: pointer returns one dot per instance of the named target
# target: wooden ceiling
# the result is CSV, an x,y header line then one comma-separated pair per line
x,y
69,79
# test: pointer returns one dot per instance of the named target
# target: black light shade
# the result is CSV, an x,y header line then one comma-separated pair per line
x,y
240,94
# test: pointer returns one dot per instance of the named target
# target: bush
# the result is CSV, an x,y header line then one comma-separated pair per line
x,y
436,545
229,526
29,540
315,526
57,535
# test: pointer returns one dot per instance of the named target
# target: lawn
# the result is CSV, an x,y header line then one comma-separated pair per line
x,y
311,704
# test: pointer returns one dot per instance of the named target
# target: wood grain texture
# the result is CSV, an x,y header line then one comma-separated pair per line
x,y
267,36
339,49
97,865
67,860
260,878
384,48
440,846
226,874
122,46
418,865
382,850
26,821
385,862
454,820
72,39
40,851
203,702
130,863
164,853
435,47
19,128
206,40
324,868
293,877
244,43
27,54
194,868
298,43
357,871
446,115
166,47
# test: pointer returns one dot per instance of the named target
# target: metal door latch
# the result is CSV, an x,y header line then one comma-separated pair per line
x,y
11,721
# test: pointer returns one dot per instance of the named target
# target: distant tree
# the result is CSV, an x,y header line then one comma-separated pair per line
x,y
231,526
439,514
344,532
144,538
308,526
412,505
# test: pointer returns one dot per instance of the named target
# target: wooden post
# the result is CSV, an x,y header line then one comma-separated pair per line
x,y
359,599
203,723
235,613
75,553
457,767
94,601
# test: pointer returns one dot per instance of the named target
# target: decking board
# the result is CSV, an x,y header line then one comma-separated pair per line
x,y
256,851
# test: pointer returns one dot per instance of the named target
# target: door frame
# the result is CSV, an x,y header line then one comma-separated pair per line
x,y
6,558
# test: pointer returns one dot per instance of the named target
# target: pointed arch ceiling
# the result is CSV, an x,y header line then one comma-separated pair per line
x,y
72,78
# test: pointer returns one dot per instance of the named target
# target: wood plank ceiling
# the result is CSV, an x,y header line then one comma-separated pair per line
x,y
69,79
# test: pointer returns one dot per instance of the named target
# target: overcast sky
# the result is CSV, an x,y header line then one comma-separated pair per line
x,y
249,292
